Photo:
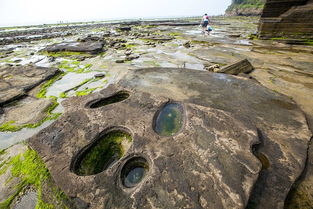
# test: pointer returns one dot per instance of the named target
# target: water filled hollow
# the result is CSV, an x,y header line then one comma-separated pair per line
x,y
102,153
134,171
169,120
118,97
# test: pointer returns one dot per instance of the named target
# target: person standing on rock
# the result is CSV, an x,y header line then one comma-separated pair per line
x,y
205,23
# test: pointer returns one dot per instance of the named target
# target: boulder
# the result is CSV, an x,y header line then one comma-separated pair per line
x,y
212,68
92,47
187,44
99,75
243,66
178,138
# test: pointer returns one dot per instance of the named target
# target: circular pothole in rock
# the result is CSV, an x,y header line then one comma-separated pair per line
x,y
103,152
134,171
118,97
169,120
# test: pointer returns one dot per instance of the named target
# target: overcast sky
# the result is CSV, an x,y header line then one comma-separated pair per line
x,y
26,12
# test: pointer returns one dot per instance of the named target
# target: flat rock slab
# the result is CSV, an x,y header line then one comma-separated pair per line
x,y
15,82
92,47
29,111
210,162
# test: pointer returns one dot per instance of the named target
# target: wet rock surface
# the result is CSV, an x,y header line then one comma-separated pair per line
x,y
218,143
15,82
28,201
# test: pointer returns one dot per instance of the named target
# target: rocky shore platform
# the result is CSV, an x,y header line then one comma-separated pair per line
x,y
154,114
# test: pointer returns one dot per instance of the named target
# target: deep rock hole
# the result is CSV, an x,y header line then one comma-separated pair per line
x,y
118,97
103,152
169,120
134,171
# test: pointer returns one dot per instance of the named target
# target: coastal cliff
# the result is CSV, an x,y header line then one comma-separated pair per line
x,y
245,8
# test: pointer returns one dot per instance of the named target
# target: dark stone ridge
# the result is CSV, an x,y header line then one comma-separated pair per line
x,y
287,19
124,28
92,47
240,141
15,82
92,37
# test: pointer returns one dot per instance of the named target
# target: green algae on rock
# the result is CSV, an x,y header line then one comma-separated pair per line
x,y
43,90
102,153
169,120
31,172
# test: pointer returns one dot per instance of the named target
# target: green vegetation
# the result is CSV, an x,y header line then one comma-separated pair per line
x,y
63,95
300,41
200,42
9,127
32,172
100,155
130,45
244,4
85,92
75,67
175,34
43,90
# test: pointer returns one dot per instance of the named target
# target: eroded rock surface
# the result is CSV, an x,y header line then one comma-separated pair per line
x,y
15,82
287,19
210,162
29,111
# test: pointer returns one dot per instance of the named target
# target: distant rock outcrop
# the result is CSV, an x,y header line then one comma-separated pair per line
x,y
245,8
